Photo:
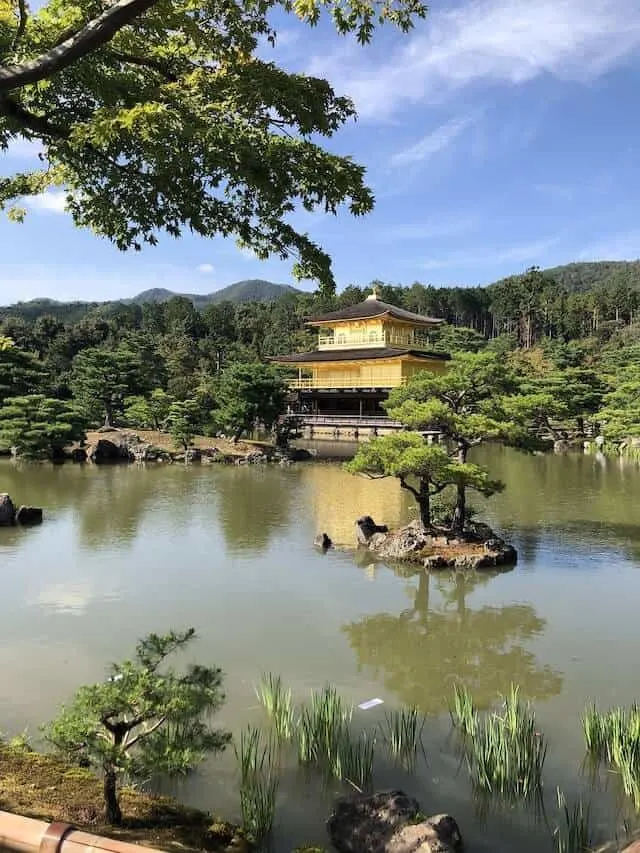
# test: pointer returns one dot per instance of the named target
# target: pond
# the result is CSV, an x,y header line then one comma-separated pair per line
x,y
127,550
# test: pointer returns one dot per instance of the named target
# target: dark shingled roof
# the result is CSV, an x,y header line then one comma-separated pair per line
x,y
357,355
373,308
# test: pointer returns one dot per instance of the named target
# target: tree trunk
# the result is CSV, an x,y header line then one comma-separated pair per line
x,y
424,502
113,814
460,511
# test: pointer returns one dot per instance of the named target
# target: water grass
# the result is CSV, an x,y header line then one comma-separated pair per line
x,y
613,739
257,764
356,761
325,740
574,834
278,703
464,716
402,733
506,754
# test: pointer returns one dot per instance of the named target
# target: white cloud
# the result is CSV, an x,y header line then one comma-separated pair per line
x,y
488,41
53,201
532,252
206,269
433,143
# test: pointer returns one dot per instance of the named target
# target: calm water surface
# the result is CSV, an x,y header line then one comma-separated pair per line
x,y
127,550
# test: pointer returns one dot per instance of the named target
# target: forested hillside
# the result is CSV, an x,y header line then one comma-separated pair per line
x,y
168,362
608,280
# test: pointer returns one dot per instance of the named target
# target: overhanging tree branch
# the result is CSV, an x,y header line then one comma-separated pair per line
x,y
30,121
146,732
95,34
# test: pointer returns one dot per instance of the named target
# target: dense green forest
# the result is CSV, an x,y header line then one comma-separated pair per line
x,y
168,362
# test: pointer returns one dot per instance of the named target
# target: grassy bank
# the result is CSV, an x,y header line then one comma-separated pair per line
x,y
164,441
46,788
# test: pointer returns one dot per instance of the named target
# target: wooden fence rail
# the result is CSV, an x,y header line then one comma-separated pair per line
x,y
24,835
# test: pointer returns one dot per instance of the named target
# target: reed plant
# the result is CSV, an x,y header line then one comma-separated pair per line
x,y
402,733
613,738
506,753
278,703
574,834
593,726
257,764
464,716
325,740
356,761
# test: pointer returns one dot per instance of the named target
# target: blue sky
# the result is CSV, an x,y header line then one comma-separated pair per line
x,y
497,135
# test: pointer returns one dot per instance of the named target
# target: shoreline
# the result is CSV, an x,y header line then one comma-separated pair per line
x,y
42,786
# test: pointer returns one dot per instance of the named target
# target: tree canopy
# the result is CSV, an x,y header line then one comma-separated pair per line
x,y
467,405
38,427
162,116
409,458
249,394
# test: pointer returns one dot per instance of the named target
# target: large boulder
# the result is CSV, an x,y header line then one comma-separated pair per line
x,y
299,454
29,515
7,511
389,822
402,544
106,451
366,528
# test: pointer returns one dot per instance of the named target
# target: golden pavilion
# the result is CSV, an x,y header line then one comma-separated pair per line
x,y
363,352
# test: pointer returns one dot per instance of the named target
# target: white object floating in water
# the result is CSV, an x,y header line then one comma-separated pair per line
x,y
370,703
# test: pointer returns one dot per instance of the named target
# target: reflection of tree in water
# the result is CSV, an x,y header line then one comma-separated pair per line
x,y
254,503
424,650
111,512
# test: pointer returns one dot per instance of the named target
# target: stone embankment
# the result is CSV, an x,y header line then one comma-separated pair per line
x,y
477,548
112,446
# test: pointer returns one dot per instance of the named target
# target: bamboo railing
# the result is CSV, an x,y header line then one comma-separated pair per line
x,y
24,835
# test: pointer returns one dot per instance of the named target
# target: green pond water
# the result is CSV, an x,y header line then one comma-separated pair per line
x,y
127,550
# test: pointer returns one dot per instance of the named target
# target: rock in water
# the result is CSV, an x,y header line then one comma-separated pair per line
x,y
29,515
387,823
438,834
7,511
366,528
323,541
105,451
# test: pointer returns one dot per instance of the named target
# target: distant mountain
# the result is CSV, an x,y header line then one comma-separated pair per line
x,y
595,275
250,290
607,275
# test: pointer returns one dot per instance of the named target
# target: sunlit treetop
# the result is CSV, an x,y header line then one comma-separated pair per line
x,y
159,116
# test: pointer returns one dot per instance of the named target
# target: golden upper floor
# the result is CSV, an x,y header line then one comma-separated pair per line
x,y
373,323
